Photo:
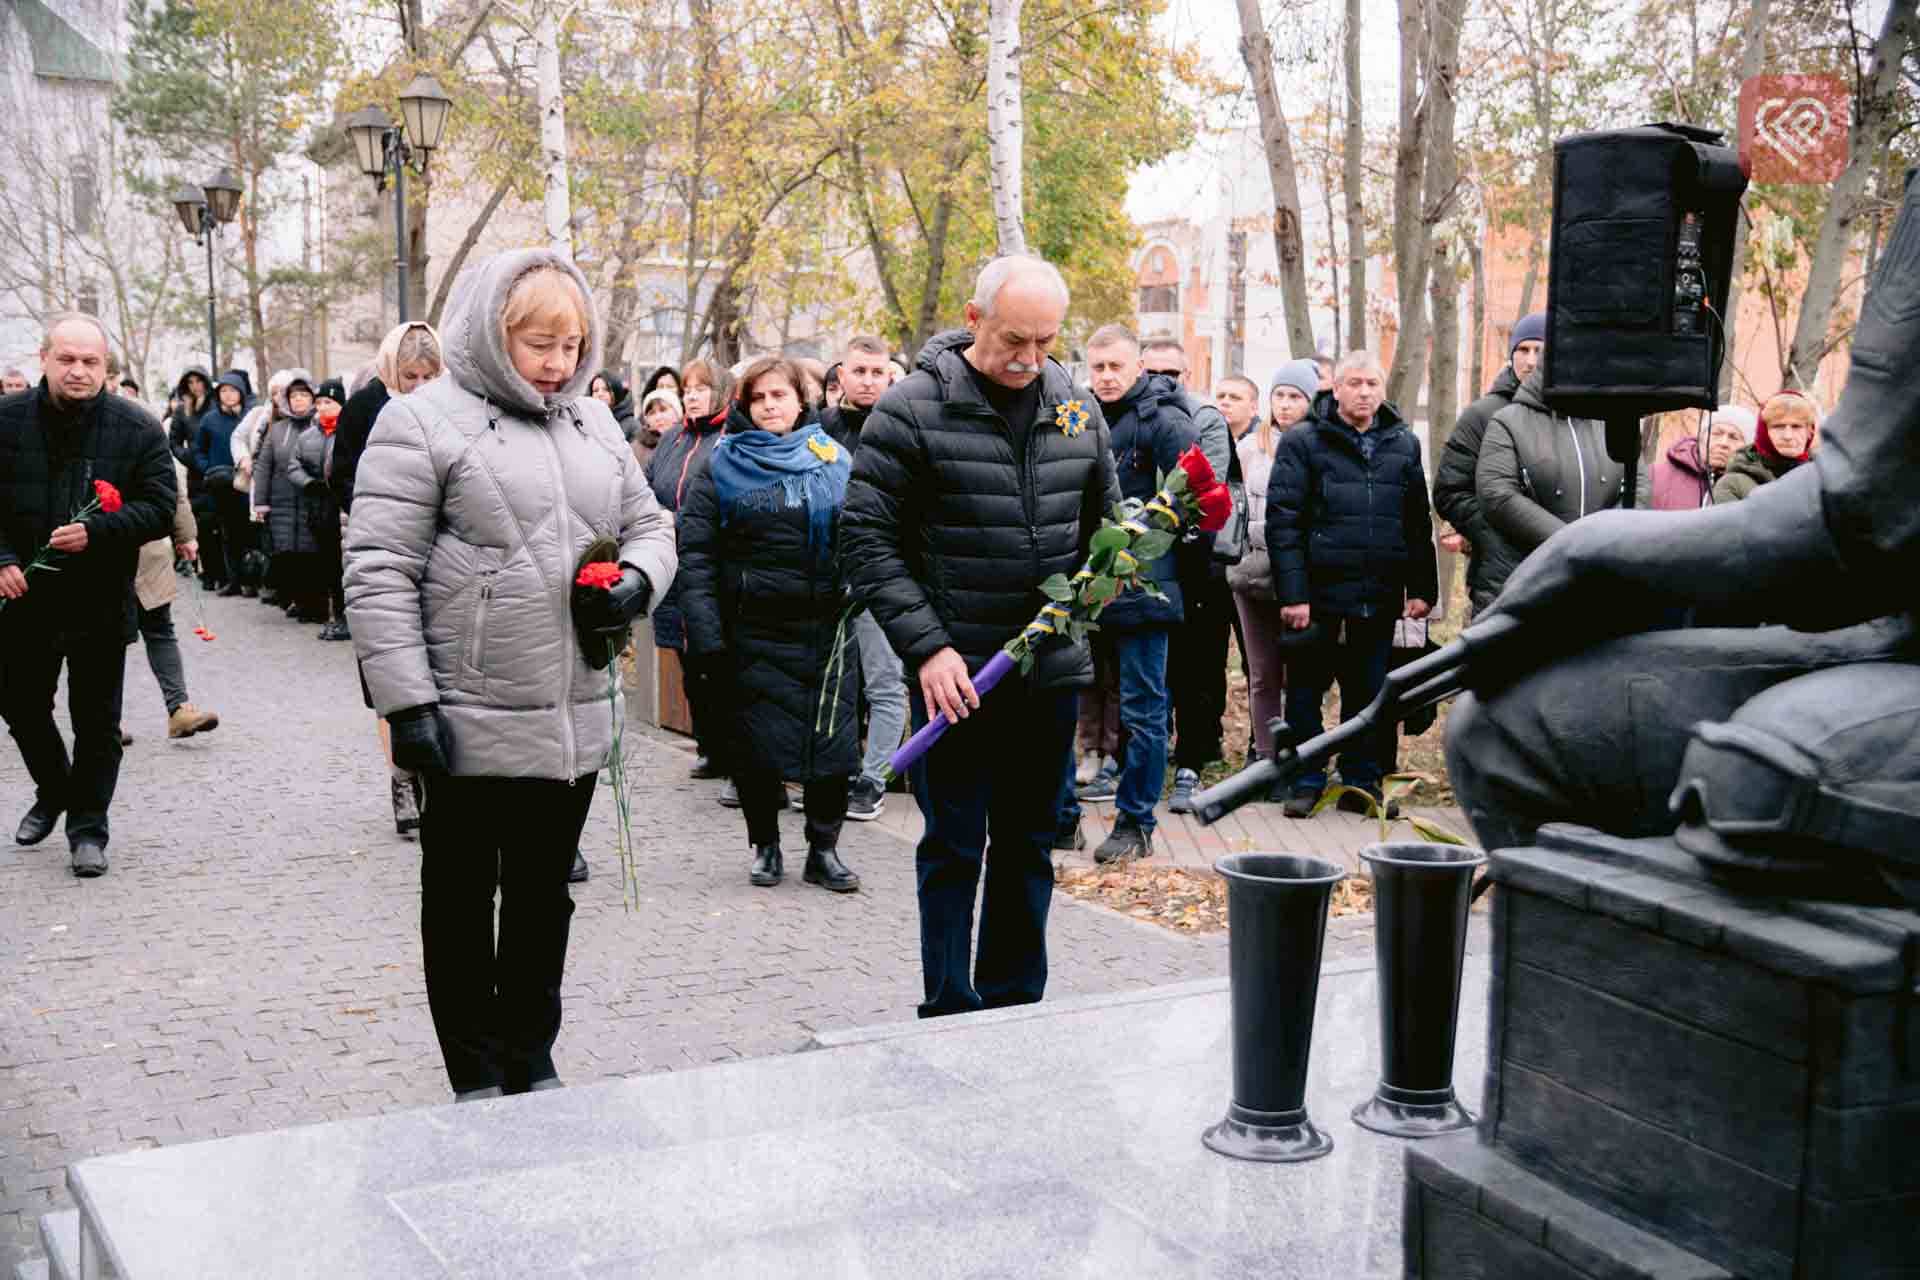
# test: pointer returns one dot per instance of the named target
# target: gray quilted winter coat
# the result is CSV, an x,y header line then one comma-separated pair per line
x,y
279,481
473,504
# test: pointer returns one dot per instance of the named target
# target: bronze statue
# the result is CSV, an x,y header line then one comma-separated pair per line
x,y
1784,750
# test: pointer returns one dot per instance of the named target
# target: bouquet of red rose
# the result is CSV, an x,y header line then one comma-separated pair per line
x,y
1190,496
106,498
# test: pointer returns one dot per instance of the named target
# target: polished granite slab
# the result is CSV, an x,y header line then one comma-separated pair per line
x,y
1057,1140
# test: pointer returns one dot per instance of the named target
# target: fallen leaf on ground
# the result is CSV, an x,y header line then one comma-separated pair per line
x,y
1182,899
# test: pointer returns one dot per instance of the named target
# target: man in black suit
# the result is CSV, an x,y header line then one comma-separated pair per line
x,y
57,440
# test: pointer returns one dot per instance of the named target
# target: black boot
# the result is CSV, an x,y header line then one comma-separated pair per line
x,y
579,873
825,869
766,865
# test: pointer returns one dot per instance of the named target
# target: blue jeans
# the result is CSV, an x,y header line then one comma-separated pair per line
x,y
885,682
986,780
1360,667
1144,705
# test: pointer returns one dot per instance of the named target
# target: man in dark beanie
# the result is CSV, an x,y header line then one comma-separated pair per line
x,y
57,446
1453,494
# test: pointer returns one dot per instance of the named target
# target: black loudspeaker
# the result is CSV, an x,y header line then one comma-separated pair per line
x,y
1641,259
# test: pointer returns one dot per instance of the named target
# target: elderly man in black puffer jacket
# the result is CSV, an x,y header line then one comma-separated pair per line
x,y
971,486
1351,539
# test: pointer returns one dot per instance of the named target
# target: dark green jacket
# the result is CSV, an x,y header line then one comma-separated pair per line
x,y
1746,471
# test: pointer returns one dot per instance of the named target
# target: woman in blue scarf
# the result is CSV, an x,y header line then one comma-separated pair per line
x,y
759,584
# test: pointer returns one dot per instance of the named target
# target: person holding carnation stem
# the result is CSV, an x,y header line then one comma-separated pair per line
x,y
86,480
761,589
477,500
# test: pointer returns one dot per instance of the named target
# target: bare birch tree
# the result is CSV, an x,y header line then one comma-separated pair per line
x,y
1289,247
1354,183
1873,121
1006,125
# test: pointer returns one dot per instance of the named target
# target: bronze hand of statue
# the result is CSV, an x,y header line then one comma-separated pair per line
x,y
1769,558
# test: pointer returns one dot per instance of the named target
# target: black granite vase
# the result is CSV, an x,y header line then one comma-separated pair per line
x,y
1277,914
1421,893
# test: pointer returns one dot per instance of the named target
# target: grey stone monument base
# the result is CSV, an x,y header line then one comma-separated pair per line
x,y
1058,1139
1735,1077
1473,1214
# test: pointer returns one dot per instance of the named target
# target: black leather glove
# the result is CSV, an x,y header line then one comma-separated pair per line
x,y
421,741
314,489
602,616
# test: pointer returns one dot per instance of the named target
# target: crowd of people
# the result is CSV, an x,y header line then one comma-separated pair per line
x,y
831,549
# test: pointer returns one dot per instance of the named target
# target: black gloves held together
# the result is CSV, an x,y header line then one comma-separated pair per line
x,y
602,615
421,742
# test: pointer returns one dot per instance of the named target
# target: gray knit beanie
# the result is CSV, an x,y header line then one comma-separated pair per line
x,y
1302,375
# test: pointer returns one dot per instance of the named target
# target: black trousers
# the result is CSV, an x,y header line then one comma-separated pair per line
x,y
496,1006
763,796
236,534
30,662
710,704
1197,668
213,540
991,777
301,579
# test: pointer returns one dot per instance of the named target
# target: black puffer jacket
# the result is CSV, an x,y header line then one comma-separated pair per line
x,y
1150,428
954,517
1347,535
754,590
672,470
356,424
1454,496
844,422
1539,471
48,462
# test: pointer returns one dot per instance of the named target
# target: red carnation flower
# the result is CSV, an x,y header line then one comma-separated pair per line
x,y
603,574
108,496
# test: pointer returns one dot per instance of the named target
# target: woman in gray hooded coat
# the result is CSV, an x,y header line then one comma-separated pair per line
x,y
479,497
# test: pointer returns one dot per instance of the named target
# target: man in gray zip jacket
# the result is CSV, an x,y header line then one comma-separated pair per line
x,y
1538,472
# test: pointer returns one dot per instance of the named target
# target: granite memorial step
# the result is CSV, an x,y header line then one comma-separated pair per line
x,y
1473,1214
1060,1138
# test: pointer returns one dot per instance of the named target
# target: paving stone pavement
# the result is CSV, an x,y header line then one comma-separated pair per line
x,y
252,959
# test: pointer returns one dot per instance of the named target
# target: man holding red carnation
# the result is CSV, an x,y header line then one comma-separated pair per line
x,y
85,480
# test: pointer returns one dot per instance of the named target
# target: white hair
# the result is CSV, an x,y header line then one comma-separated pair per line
x,y
1737,416
1358,359
996,274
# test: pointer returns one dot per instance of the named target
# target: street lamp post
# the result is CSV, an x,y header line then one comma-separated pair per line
x,y
202,213
382,147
